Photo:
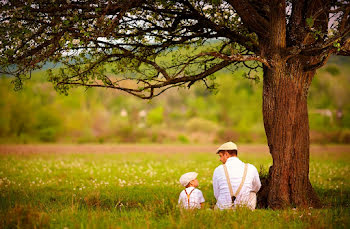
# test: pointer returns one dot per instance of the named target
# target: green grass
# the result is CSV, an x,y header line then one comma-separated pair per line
x,y
140,190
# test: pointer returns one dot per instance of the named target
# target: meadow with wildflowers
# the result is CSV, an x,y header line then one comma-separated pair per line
x,y
140,190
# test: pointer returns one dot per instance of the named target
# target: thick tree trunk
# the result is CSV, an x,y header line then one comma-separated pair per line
x,y
286,121
286,124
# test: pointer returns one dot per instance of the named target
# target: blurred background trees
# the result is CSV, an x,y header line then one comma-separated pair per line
x,y
39,114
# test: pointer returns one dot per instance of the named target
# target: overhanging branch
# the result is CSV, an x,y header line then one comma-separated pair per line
x,y
237,57
149,89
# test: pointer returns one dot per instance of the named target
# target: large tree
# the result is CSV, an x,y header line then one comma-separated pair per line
x,y
177,43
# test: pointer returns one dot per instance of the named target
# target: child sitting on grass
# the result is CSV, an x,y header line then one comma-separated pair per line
x,y
190,198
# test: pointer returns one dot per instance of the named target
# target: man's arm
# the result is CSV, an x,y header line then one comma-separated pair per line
x,y
216,183
256,181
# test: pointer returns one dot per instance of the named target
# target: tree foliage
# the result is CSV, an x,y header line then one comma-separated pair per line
x,y
148,38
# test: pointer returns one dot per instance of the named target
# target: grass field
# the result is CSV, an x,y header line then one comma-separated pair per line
x,y
140,190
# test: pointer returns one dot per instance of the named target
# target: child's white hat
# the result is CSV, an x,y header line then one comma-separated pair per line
x,y
187,178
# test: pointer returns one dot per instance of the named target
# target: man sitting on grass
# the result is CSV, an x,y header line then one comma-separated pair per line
x,y
235,183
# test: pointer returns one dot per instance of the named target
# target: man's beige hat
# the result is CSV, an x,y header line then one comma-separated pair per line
x,y
227,146
187,178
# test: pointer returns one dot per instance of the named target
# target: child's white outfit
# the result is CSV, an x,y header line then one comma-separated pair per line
x,y
191,198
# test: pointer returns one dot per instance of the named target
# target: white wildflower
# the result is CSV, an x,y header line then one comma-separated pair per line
x,y
142,113
75,41
123,113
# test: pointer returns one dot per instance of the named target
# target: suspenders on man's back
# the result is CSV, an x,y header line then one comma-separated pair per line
x,y
233,196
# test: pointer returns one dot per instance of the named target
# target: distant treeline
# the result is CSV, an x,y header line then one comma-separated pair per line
x,y
232,112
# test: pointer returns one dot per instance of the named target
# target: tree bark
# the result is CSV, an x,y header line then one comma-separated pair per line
x,y
285,114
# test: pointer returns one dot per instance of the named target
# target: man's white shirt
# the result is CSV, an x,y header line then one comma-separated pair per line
x,y
235,169
196,198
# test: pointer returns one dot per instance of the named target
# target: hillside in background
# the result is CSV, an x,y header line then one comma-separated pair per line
x,y
38,113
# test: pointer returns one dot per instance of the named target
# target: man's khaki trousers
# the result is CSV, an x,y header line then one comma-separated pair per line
x,y
251,203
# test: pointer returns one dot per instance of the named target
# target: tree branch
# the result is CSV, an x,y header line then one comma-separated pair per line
x,y
165,85
237,57
250,17
319,64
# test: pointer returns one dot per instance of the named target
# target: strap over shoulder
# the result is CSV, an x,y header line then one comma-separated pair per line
x,y
243,179
228,182
233,196
188,197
